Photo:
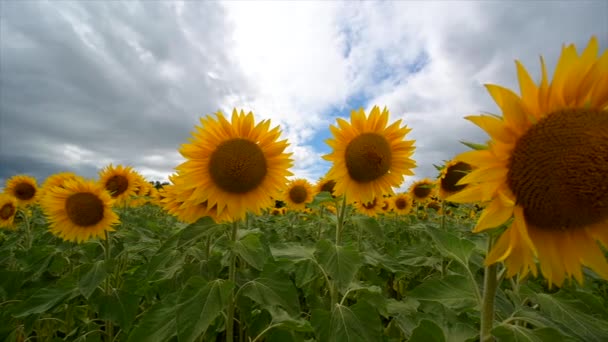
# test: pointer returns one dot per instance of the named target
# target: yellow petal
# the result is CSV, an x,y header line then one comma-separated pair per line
x,y
494,215
494,126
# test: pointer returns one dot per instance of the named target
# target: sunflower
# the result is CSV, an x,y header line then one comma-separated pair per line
x,y
369,159
369,208
452,172
79,210
23,188
120,182
234,166
56,180
142,193
8,210
386,205
325,184
298,193
546,166
402,203
422,190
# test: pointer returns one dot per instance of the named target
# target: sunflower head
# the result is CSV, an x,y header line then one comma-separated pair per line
x,y
546,166
369,208
79,210
369,158
422,190
234,166
57,179
23,188
119,182
8,210
403,203
325,184
298,193
386,205
453,171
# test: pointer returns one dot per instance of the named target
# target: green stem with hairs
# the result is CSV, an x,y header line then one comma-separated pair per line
x,y
490,283
340,223
232,278
108,286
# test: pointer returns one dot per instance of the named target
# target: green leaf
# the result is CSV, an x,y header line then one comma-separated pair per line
x,y
340,262
516,333
48,297
452,246
120,307
199,304
158,324
453,291
368,224
474,146
575,316
359,322
292,251
90,280
427,331
251,249
320,198
197,230
280,316
275,290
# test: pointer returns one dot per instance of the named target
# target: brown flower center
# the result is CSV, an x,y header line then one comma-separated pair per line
x,y
297,194
400,203
422,191
453,174
329,186
25,191
369,205
7,211
84,209
117,184
368,157
238,166
558,170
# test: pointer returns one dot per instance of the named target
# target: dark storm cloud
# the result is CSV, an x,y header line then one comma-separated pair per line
x,y
122,81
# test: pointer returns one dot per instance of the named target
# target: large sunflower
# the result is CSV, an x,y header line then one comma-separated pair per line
x,y
369,159
79,210
297,194
8,210
23,188
422,190
546,165
234,166
120,182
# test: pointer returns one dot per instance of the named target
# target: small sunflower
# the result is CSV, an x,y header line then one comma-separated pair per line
x,y
142,192
8,210
452,172
369,159
235,166
368,208
402,203
297,194
422,190
120,182
325,184
546,166
23,188
79,210
386,205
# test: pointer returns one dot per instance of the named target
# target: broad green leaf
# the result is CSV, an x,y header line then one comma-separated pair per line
x,y
359,322
275,290
90,280
158,324
517,333
575,316
293,251
427,331
280,316
48,297
199,304
120,307
251,249
197,230
368,224
341,263
452,246
321,197
453,291
305,272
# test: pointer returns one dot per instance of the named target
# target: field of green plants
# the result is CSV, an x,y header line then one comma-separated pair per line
x,y
297,276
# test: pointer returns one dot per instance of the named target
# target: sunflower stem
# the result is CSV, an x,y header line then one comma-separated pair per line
x,y
231,278
443,215
108,286
490,283
340,223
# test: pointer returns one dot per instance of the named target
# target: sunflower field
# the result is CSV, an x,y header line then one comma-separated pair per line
x,y
508,243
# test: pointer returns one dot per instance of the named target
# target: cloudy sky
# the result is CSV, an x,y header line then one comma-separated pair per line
x,y
85,84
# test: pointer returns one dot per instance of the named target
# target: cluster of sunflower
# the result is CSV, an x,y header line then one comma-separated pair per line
x,y
77,209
